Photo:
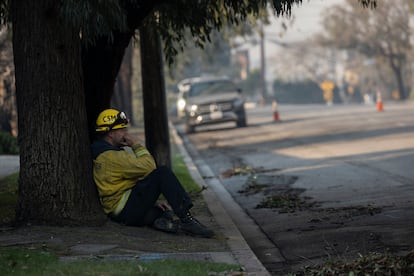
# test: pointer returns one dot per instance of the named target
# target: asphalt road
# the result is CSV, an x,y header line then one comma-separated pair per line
x,y
324,182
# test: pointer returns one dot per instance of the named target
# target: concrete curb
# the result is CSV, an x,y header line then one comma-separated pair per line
x,y
9,164
236,242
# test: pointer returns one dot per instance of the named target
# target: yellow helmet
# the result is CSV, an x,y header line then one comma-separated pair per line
x,y
110,119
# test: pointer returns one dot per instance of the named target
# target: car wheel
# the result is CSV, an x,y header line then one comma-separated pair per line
x,y
241,119
189,128
241,122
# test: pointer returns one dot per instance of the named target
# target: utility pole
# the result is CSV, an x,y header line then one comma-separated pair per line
x,y
262,66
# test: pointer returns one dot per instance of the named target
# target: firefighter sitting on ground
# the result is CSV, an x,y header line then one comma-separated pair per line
x,y
130,185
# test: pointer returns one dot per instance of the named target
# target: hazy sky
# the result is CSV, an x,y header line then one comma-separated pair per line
x,y
307,21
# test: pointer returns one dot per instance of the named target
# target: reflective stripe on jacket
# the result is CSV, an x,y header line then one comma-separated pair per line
x,y
116,171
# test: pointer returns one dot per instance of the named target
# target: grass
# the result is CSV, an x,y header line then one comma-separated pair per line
x,y
8,198
180,170
26,261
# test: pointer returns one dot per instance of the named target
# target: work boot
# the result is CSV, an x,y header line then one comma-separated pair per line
x,y
168,214
191,225
166,223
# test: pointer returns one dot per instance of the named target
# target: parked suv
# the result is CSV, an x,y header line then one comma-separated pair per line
x,y
204,101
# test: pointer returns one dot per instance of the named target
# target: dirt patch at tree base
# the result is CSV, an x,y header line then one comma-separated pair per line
x,y
113,238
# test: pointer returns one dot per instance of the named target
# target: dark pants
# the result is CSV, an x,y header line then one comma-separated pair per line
x,y
140,210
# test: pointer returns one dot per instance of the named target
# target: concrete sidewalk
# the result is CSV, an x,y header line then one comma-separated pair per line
x,y
9,164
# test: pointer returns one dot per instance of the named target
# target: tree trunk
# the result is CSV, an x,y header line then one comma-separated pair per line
x,y
122,98
396,67
155,107
55,184
263,84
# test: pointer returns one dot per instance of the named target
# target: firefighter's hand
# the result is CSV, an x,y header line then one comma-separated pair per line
x,y
163,205
129,140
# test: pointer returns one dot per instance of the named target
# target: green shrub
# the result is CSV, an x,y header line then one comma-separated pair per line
x,y
8,143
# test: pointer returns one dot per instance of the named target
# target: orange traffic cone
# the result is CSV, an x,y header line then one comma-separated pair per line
x,y
275,112
380,106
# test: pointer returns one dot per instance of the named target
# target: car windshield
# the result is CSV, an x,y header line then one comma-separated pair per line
x,y
212,87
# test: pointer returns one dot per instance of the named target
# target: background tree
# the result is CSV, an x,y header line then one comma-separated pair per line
x,y
155,106
122,98
382,34
8,112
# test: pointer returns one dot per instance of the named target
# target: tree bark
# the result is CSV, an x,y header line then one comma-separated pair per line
x,y
55,183
155,107
122,98
397,67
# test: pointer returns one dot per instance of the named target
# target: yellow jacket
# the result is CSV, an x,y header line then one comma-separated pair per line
x,y
117,171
